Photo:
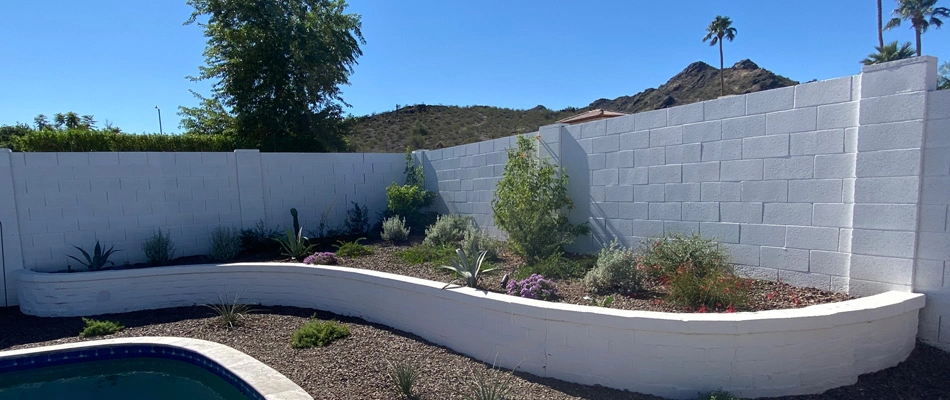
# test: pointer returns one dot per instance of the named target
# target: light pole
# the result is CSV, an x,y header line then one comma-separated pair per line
x,y
159,120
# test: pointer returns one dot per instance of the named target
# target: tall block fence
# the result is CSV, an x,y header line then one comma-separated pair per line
x,y
841,184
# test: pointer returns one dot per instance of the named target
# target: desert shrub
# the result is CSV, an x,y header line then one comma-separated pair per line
x,y
616,270
259,239
708,291
436,255
99,328
229,313
357,220
559,267
408,200
320,258
394,230
318,334
532,287
531,205
352,249
479,239
404,376
448,230
225,244
159,248
663,255
481,384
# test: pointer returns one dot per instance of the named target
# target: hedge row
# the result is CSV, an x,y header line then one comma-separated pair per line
x,y
103,140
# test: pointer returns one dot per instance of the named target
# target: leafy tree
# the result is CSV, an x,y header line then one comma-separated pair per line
x,y
943,80
889,52
41,122
921,14
278,66
721,28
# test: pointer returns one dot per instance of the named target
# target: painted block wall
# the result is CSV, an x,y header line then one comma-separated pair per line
x,y
50,202
932,272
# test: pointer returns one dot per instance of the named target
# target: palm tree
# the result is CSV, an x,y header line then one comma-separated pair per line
x,y
880,24
721,28
890,52
921,14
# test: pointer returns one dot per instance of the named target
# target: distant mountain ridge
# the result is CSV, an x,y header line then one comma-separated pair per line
x,y
446,126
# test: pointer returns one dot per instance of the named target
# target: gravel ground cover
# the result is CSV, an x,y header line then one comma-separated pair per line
x,y
355,367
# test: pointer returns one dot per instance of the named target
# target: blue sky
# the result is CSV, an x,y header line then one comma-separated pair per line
x,y
118,59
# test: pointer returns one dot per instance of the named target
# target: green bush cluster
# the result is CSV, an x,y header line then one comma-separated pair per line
x,y
531,205
99,328
448,230
697,271
352,249
81,140
479,239
394,230
318,334
159,249
408,200
616,271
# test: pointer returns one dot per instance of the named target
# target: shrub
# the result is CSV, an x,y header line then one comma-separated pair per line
x,y
352,249
708,291
99,328
663,255
225,244
482,385
531,205
259,239
448,230
408,200
159,248
318,334
616,270
533,287
295,245
83,140
479,239
437,255
357,220
320,258
394,230
404,376
229,313
558,267
99,258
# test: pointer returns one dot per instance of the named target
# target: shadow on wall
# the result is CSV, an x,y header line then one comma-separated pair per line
x,y
575,162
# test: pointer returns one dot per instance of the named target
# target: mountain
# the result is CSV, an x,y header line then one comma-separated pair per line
x,y
433,127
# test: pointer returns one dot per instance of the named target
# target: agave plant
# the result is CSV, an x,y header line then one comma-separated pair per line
x,y
468,266
295,245
99,258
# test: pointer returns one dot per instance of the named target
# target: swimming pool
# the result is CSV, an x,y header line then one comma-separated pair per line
x,y
141,368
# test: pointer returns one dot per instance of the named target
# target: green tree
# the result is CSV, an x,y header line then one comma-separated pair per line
x,y
721,28
278,66
889,52
943,79
921,14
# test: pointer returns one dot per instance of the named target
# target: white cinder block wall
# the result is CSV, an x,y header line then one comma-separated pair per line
x,y
820,185
50,202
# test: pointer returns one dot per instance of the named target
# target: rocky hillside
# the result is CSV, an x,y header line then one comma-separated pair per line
x,y
432,127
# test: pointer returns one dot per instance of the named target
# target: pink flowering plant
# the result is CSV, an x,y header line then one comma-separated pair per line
x,y
533,287
321,258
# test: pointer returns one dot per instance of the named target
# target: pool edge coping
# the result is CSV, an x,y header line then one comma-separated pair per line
x,y
270,383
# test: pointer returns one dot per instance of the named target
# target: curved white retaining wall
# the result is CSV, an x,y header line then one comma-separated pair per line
x,y
771,353
265,380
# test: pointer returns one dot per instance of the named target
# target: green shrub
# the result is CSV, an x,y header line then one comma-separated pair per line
x,y
352,249
83,140
229,313
318,334
663,255
394,230
479,239
225,244
703,291
159,248
531,205
99,328
448,230
616,270
558,267
357,220
404,376
482,385
409,199
259,239
421,254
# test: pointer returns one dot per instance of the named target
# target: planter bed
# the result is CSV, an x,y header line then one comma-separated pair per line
x,y
769,353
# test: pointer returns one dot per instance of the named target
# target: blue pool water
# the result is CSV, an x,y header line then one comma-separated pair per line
x,y
130,378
